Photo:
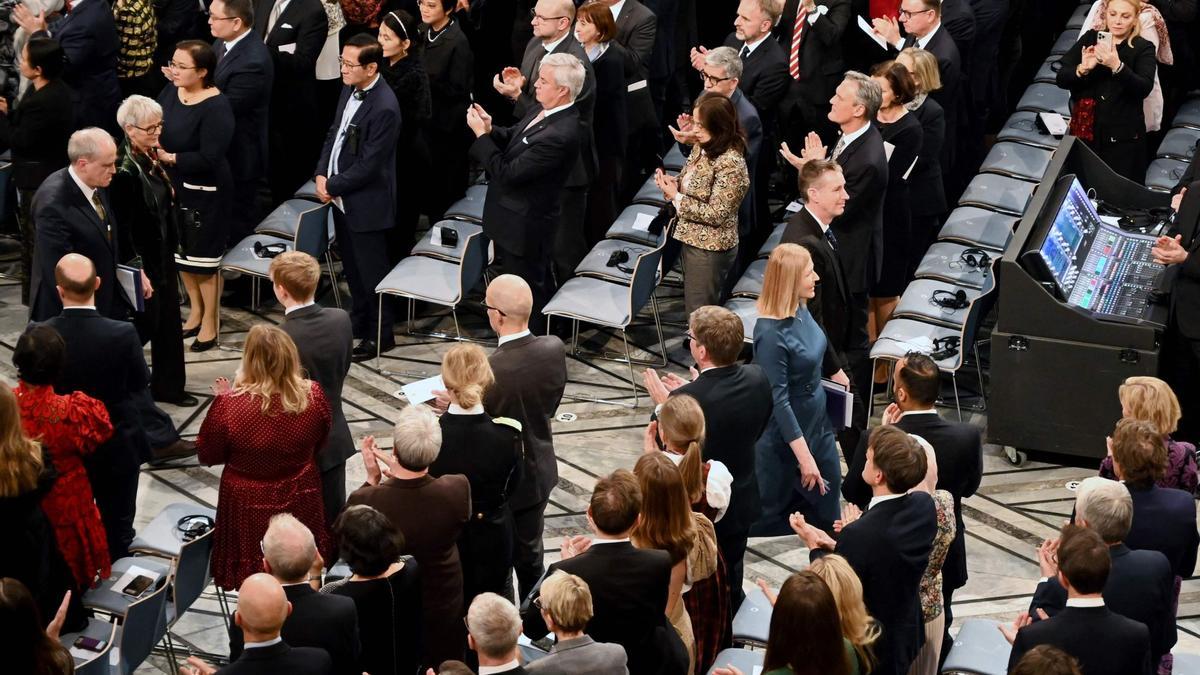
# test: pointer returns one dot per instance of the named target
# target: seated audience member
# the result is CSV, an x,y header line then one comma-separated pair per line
x,y
1103,641
889,546
493,626
926,190
805,637
566,608
431,513
262,609
857,625
1046,660
629,586
1140,584
707,194
324,620
69,428
385,588
28,647
1151,399
487,451
736,401
266,428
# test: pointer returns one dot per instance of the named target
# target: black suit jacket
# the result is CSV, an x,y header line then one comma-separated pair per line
x,y
1185,291
325,621
736,401
942,46
531,374
831,305
859,229
36,130
764,78
88,36
1104,642
1140,586
324,338
245,75
280,658
926,193
1164,520
820,57
959,452
636,31
629,599
527,170
889,549
366,177
585,164
1119,98
303,25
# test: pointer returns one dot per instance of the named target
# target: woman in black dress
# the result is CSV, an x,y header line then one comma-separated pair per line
x,y
596,30
386,590
903,131
197,131
488,452
925,188
450,65
405,74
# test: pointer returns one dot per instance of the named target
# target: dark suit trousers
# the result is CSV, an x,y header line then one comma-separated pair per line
x,y
1179,366
732,543
859,340
365,261
160,325
570,242
333,491
245,193
158,425
114,480
528,551
536,272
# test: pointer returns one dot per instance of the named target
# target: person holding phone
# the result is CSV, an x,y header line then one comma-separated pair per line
x,y
1110,73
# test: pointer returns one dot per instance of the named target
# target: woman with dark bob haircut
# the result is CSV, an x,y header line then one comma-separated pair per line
x,y
385,588
28,648
69,428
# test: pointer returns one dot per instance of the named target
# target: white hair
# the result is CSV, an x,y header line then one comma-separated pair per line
x,y
494,623
568,72
417,437
137,110
87,143
289,547
727,58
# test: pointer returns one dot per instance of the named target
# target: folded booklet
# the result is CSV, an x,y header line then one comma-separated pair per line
x,y
129,280
839,404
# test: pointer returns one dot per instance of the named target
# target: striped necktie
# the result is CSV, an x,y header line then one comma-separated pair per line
x,y
797,35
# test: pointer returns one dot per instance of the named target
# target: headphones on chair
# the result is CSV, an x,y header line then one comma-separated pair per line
x,y
945,347
951,300
976,260
193,526
269,250
618,259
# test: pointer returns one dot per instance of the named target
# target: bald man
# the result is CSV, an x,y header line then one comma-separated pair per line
x,y
262,609
531,373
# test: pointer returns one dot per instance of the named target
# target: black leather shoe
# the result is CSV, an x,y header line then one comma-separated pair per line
x,y
185,400
203,345
191,332
176,450
365,350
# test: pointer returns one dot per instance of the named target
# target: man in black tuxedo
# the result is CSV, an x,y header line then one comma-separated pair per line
x,y
1103,641
959,451
1180,364
262,609
531,374
888,546
294,32
325,340
629,585
323,620
811,36
71,214
105,361
244,74
1140,586
736,400
357,172
527,166
636,31
493,625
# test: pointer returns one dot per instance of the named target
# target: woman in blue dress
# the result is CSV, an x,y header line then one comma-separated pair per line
x,y
796,457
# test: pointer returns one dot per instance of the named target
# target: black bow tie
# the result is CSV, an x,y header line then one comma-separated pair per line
x,y
359,94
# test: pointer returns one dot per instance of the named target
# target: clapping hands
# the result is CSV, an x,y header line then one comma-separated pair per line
x,y
888,28
813,537
373,457
813,149
1023,619
850,513
509,82
661,387
685,133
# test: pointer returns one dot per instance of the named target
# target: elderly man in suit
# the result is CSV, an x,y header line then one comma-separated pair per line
x,y
325,340
244,74
566,609
323,620
294,32
71,214
736,400
528,165
105,361
493,626
357,172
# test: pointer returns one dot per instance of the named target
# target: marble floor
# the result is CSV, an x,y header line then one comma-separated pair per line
x,y
1015,509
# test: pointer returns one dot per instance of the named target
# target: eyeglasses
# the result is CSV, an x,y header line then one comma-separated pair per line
x,y
152,129
713,80
537,602
400,23
347,64
494,309
905,14
534,16
214,17
175,65
691,336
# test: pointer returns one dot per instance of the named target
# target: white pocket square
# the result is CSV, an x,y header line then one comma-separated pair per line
x,y
525,140
285,25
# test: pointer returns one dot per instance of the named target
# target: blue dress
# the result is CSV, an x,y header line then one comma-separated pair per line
x,y
790,352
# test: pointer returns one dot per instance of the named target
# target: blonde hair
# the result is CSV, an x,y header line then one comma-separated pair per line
x,y
681,421
270,366
780,295
467,373
568,601
1136,29
925,69
297,272
1150,399
20,456
857,625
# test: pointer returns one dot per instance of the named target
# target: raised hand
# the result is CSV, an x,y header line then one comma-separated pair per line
x,y
790,157
813,149
650,438
1047,555
1169,251
367,450
655,386
1177,200
887,28
766,589
697,57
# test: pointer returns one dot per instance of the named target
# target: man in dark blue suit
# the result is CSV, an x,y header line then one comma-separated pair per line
x,y
357,172
244,74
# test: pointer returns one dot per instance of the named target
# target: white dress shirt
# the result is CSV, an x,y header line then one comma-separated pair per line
x,y
511,665
515,336
879,499
1085,602
922,42
853,136
749,47
616,8
253,645
293,308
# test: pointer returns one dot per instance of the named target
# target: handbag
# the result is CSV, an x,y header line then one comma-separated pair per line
x,y
187,227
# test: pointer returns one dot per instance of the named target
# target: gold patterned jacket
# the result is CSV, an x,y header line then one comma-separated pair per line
x,y
708,207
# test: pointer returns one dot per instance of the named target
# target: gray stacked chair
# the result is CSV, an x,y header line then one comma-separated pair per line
x,y
595,263
425,247
1022,127
650,193
98,663
1017,160
752,623
614,305
979,649
1186,664
918,302
470,206
142,627
1163,174
974,226
742,659
1046,97
308,191
1078,17
998,193
1188,115
312,236
746,309
283,220
1048,72
623,227
772,241
1179,143
952,263
674,160
162,536
751,283
1064,42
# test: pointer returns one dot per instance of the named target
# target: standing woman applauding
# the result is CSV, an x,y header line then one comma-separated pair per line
x,y
1110,73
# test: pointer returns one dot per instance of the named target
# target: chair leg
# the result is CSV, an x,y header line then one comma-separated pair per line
x,y
172,657
337,292
254,294
378,330
871,393
957,404
632,375
662,345
979,372
457,330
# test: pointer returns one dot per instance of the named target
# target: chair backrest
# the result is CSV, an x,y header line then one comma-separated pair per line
x,y
474,260
978,311
98,664
143,628
312,231
191,572
645,277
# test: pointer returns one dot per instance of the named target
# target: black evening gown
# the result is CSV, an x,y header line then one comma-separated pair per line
x,y
906,136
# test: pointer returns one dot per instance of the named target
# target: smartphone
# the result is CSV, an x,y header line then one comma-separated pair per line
x,y
1104,37
89,643
139,584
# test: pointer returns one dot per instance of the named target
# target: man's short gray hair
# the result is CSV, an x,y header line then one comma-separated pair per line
x,y
568,72
495,624
727,58
87,143
289,548
870,94
137,110
417,438
1106,506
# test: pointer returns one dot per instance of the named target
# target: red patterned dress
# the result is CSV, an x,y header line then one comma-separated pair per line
x,y
69,428
270,468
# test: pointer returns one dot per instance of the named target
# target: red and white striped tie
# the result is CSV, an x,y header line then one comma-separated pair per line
x,y
797,34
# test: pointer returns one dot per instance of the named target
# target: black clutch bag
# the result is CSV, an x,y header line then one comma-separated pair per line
x,y
187,225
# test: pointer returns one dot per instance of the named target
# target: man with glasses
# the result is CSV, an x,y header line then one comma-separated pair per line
x,y
922,20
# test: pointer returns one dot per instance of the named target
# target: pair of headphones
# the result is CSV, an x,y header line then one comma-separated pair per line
x,y
974,259
194,526
618,259
950,300
268,250
945,347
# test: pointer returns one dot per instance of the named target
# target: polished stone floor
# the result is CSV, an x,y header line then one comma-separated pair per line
x,y
1015,508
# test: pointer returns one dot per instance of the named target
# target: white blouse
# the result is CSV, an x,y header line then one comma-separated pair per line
x,y
719,487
